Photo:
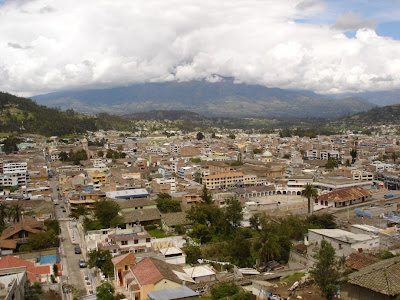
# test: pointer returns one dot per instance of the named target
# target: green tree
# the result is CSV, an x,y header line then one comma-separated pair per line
x,y
3,213
353,154
233,212
55,270
81,210
193,253
201,232
224,290
52,225
232,136
199,136
267,245
10,145
105,291
15,212
394,157
331,164
101,259
166,205
106,212
309,192
206,195
34,291
41,240
326,272
63,156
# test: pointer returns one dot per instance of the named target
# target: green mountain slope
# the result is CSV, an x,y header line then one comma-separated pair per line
x,y
23,115
387,115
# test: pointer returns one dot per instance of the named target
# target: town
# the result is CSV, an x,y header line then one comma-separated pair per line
x,y
165,214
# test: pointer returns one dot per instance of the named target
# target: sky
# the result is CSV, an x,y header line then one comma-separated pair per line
x,y
331,46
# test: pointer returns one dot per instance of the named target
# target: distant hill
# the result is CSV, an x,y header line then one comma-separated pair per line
x,y
24,115
383,98
171,115
377,116
218,99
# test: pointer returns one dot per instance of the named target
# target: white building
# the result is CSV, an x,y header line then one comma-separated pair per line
x,y
344,242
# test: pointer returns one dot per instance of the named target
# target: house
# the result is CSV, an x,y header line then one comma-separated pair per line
x,y
12,283
344,197
178,293
152,274
201,273
357,261
170,220
380,281
35,273
14,236
122,264
344,242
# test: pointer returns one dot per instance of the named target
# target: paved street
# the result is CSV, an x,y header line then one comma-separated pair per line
x,y
70,260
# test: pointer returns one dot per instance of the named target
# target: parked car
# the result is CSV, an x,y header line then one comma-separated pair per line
x,y
82,263
387,196
78,250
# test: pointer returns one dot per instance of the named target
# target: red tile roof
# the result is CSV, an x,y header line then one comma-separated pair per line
x,y
10,261
146,272
357,261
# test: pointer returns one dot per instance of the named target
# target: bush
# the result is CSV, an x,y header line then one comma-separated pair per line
x,y
224,290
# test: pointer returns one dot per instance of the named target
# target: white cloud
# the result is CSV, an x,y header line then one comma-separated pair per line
x,y
47,45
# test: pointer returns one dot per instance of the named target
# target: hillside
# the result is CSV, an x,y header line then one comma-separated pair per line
x,y
171,115
376,116
224,98
23,115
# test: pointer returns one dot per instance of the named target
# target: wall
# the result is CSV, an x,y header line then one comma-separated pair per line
x,y
353,292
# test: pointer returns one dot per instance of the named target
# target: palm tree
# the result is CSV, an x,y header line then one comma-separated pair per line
x,y
15,212
309,192
267,246
3,213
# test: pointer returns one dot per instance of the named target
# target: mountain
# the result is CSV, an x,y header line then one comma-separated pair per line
x,y
171,115
383,98
377,116
223,98
24,115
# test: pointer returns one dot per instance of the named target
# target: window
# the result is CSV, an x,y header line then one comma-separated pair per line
x,y
340,246
124,243
135,241
148,240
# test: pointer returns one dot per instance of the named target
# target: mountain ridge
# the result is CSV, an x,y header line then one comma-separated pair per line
x,y
222,98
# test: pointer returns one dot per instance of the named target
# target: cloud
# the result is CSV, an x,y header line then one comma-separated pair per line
x,y
352,21
105,43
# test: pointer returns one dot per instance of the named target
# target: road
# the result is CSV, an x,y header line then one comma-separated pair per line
x,y
70,260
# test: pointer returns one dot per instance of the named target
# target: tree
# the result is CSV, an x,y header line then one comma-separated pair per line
x,y
81,210
193,253
63,156
105,291
326,272
309,192
353,154
3,213
213,136
224,290
101,259
55,270
331,164
10,145
100,154
206,195
34,291
233,212
166,205
41,240
200,136
106,212
232,136
267,246
52,225
15,212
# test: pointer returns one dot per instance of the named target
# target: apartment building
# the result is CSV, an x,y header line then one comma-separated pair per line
x,y
14,173
223,180
164,185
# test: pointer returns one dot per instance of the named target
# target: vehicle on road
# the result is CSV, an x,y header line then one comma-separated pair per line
x,y
82,263
387,196
77,250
